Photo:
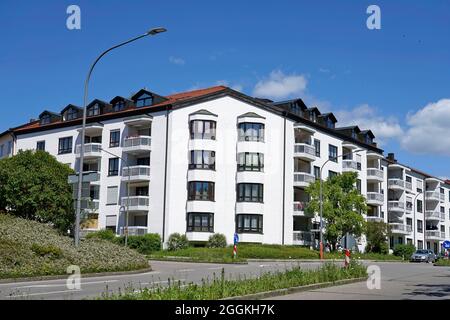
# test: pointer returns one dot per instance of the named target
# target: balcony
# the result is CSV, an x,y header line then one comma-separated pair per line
x,y
408,185
134,231
137,145
400,228
299,207
434,196
89,206
396,184
304,151
302,238
374,174
349,165
136,174
136,203
375,198
374,219
434,215
303,179
91,150
396,206
434,235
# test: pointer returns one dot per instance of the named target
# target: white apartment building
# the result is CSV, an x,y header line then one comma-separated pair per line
x,y
218,161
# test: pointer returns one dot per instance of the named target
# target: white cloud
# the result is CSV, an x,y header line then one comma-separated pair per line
x,y
367,118
279,86
177,61
429,129
324,70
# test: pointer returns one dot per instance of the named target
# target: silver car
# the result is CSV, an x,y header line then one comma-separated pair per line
x,y
423,256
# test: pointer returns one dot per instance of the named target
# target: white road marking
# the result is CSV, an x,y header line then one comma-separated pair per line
x,y
216,268
186,270
63,284
24,295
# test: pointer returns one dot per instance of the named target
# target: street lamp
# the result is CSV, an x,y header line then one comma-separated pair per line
x,y
151,32
321,198
414,214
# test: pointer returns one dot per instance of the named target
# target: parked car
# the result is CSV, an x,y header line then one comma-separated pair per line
x,y
423,256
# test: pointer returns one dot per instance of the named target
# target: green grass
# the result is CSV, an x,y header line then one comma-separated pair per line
x,y
258,251
219,287
29,249
443,263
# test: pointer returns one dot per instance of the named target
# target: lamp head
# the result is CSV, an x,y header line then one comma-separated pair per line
x,y
155,31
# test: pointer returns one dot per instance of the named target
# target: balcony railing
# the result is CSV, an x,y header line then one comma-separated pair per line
x,y
375,197
137,143
90,149
374,173
400,227
395,182
374,218
135,172
434,215
396,205
300,206
303,238
436,234
349,165
134,231
136,202
434,195
305,150
408,185
303,178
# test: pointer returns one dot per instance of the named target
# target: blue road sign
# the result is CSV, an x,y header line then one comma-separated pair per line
x,y
236,238
446,244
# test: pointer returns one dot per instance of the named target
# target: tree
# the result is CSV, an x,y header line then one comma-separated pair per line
x,y
343,206
377,235
33,185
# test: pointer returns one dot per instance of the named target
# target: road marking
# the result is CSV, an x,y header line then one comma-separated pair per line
x,y
215,268
63,284
24,295
186,270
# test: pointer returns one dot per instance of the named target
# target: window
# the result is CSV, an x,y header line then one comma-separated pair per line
x,y
142,191
71,114
317,146
2,150
40,145
249,223
408,179
113,169
112,195
119,106
65,145
312,116
114,139
10,147
409,241
250,192
203,129
332,153
419,184
317,172
94,110
419,205
409,222
442,209
200,190
202,159
46,119
251,132
369,139
200,222
329,123
358,185
144,100
419,226
250,161
332,174
420,244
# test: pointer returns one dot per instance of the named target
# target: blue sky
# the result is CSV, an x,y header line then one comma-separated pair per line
x,y
394,81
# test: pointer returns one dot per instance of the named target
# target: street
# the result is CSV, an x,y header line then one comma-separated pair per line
x,y
398,281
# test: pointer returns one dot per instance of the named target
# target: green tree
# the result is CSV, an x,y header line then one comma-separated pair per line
x,y
343,206
377,235
33,185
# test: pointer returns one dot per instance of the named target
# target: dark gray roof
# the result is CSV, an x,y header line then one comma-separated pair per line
x,y
251,115
204,112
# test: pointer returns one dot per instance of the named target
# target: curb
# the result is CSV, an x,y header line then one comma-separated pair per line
x,y
87,275
187,259
282,292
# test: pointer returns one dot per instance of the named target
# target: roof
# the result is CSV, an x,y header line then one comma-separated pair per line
x,y
71,106
329,115
50,113
119,98
369,132
204,112
348,128
251,115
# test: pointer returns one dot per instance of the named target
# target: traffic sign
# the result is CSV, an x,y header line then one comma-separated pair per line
x,y
236,238
446,244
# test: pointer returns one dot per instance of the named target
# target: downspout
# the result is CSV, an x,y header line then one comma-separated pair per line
x,y
165,173
284,176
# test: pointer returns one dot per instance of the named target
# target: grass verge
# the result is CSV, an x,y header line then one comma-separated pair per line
x,y
442,263
220,288
32,249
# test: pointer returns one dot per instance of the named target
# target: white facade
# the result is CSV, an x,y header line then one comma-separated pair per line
x,y
165,196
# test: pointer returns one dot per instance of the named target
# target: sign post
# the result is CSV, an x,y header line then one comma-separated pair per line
x,y
236,241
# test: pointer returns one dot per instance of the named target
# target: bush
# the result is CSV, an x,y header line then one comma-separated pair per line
x,y
404,250
177,242
33,185
377,237
217,240
50,251
105,234
144,244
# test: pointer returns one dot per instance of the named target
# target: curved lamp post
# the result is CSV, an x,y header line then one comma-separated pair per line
x,y
321,198
151,32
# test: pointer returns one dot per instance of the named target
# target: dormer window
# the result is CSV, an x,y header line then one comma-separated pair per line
x,y
329,123
369,139
312,116
71,114
46,119
295,108
144,100
119,106
94,110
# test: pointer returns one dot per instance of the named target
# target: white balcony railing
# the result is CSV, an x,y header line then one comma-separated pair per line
x,y
136,202
395,182
435,234
396,205
375,197
400,227
300,206
434,195
137,143
134,231
433,215
136,172
374,218
303,178
90,149
349,165
408,185
304,149
374,173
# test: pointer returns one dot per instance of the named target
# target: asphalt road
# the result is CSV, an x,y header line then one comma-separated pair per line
x,y
162,273
399,281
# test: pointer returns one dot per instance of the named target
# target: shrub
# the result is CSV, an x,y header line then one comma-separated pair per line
x,y
217,240
144,244
404,250
377,237
105,234
50,251
177,241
